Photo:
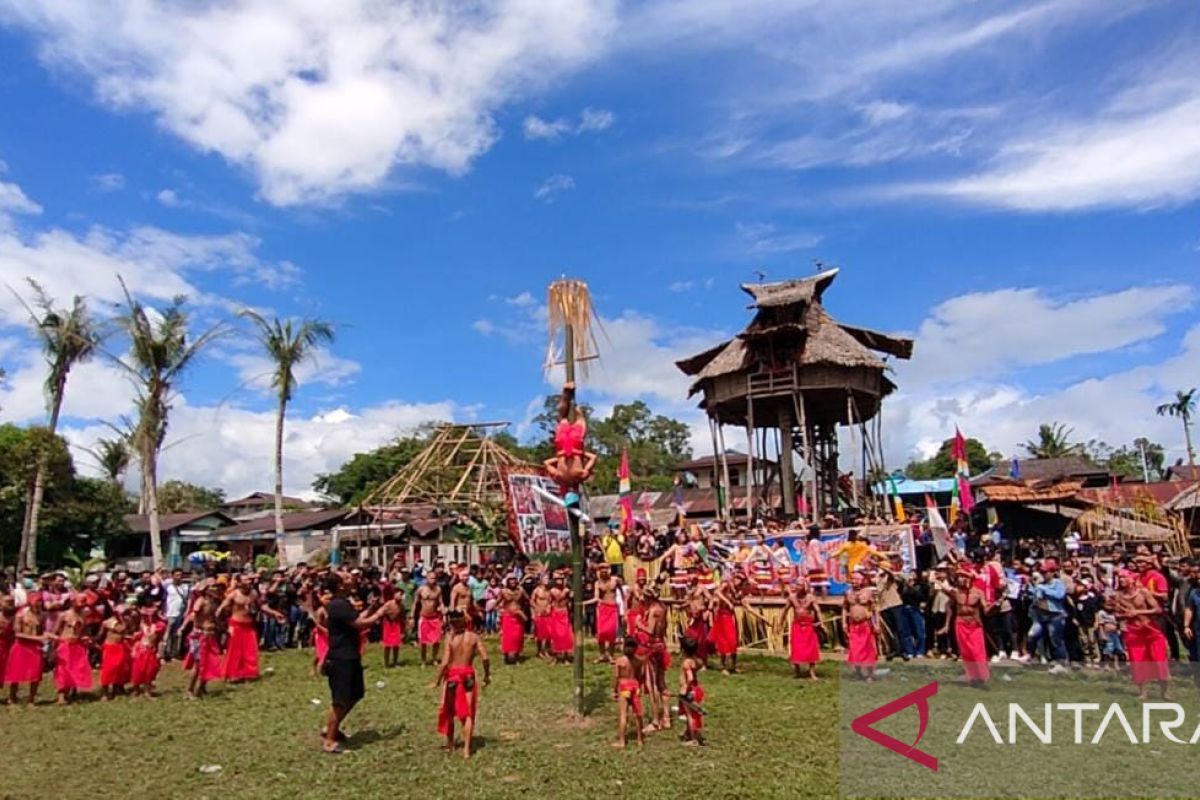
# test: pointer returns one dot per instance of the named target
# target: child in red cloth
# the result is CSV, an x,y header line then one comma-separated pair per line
x,y
691,694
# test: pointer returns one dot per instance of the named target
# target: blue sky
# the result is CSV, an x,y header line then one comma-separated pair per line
x,y
1015,184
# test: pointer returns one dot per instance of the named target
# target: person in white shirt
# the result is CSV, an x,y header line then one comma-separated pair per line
x,y
177,593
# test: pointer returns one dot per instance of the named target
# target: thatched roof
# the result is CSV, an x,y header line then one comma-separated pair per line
x,y
828,343
881,342
692,365
784,293
1025,492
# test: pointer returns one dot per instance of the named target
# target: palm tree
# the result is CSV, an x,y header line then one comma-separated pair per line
x,y
68,337
1183,407
288,343
1053,441
113,456
160,351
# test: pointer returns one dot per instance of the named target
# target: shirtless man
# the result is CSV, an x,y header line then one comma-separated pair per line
x,y
805,612
1139,608
146,663
635,602
562,635
24,663
392,624
730,595
512,620
460,695
651,635
572,464
115,659
539,602
203,659
72,670
860,619
698,603
629,675
241,659
967,607
429,621
607,615
462,600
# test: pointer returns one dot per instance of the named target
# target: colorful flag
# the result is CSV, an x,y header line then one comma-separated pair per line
x,y
960,453
966,499
938,527
625,492
1014,471
954,504
962,485
897,503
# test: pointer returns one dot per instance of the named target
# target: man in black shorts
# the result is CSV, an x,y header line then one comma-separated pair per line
x,y
343,665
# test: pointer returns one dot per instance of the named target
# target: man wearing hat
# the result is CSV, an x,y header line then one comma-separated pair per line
x,y
1049,614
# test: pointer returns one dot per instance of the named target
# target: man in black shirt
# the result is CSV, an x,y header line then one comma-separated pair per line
x,y
343,664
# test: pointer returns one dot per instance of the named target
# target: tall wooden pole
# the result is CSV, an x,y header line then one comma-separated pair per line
x,y
576,546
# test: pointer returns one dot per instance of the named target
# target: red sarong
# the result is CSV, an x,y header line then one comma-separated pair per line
x,y
6,643
205,650
805,647
607,618
321,644
562,638
462,703
24,663
631,621
725,633
695,719
72,671
512,634
541,628
429,630
1147,653
146,665
115,664
972,648
393,633
863,652
631,690
241,659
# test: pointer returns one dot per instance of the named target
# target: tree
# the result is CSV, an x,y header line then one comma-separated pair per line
x,y
160,352
113,457
1126,461
943,465
22,452
1184,406
359,476
288,344
1053,441
181,497
68,337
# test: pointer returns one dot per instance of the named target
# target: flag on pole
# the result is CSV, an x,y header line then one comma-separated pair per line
x,y
897,503
960,453
966,498
677,501
938,527
954,504
625,492
962,485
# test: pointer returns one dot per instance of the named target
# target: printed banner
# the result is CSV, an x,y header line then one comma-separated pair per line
x,y
535,524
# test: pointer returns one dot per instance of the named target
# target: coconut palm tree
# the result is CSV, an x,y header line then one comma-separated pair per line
x,y
68,337
1183,407
287,343
1053,441
114,457
160,351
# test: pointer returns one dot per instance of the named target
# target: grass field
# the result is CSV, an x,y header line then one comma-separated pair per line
x,y
769,737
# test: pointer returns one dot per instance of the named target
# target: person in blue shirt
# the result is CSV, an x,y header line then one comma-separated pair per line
x,y
1049,614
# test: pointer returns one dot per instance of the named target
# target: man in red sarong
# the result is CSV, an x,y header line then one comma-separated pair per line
x,y
608,616
730,595
572,464
512,620
460,692
651,635
699,609
24,664
967,607
115,661
539,606
241,657
1144,640
392,624
860,619
72,670
429,621
562,636
203,659
146,663
691,694
806,617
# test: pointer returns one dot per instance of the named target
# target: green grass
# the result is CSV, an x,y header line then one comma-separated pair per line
x,y
769,737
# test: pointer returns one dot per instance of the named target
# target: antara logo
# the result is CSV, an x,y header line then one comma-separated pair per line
x,y
919,698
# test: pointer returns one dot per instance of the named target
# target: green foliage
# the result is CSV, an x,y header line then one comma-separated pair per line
x,y
1053,441
265,561
1126,461
179,497
355,479
943,465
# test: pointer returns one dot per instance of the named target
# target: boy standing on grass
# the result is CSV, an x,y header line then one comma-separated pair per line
x,y
629,672
460,695
691,694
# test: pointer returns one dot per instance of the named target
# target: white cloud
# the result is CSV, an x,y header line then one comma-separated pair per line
x,y
522,300
681,286
484,327
169,198
108,182
986,332
549,189
14,201
233,447
321,99
97,389
590,120
763,239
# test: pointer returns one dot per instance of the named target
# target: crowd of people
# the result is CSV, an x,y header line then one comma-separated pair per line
x,y
986,600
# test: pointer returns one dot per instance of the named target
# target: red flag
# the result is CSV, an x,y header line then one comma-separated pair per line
x,y
625,491
960,448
